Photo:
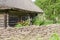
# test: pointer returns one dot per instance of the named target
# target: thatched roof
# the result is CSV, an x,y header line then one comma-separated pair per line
x,y
19,4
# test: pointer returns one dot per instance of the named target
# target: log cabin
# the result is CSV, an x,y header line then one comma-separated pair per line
x,y
14,11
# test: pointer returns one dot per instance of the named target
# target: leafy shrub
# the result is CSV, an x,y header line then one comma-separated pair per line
x,y
18,25
46,22
54,36
21,24
26,23
58,21
38,20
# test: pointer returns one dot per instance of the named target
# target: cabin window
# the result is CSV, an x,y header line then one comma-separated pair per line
x,y
24,18
13,20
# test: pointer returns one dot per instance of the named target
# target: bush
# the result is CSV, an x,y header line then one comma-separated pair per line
x,y
21,24
26,23
58,21
46,22
18,25
38,20
54,36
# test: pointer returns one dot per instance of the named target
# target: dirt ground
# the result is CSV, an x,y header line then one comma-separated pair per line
x,y
30,32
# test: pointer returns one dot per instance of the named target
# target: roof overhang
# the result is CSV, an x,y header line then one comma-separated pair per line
x,y
24,5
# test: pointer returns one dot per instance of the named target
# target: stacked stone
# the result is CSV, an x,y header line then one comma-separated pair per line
x,y
29,33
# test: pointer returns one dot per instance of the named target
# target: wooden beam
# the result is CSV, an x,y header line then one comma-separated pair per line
x,y
5,20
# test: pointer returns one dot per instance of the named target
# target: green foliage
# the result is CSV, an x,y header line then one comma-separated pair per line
x,y
48,22
51,9
18,25
54,36
21,24
26,23
38,20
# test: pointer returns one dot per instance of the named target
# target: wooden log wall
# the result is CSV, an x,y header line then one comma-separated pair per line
x,y
2,20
